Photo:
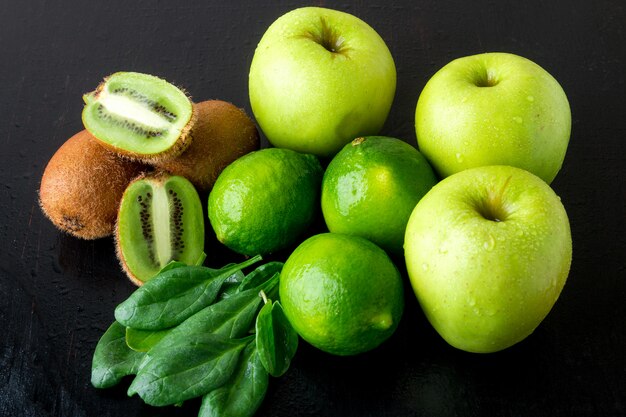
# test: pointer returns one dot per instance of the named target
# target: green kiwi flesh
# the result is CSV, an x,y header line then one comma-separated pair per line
x,y
139,115
160,220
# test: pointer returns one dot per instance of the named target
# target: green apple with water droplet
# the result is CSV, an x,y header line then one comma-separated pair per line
x,y
488,251
493,109
320,78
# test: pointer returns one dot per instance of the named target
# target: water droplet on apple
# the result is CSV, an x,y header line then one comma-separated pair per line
x,y
518,119
459,157
489,243
443,250
425,266
530,98
472,302
490,312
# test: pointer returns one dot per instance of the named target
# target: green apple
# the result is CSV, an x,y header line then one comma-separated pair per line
x,y
488,251
493,109
318,79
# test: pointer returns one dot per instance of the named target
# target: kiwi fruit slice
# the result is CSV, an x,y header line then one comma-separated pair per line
x,y
221,134
82,186
140,116
160,220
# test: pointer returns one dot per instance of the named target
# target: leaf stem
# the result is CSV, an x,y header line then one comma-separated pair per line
x,y
263,296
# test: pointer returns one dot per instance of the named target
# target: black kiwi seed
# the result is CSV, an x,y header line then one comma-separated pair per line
x,y
176,222
137,96
146,227
134,127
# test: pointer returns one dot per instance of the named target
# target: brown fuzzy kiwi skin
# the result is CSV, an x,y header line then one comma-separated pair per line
x,y
82,186
183,142
222,133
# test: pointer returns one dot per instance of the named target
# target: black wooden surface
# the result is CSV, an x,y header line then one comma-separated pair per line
x,y
57,293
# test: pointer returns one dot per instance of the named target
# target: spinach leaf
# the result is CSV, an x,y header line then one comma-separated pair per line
x,y
276,340
192,367
177,264
260,275
174,295
253,280
229,318
112,359
242,395
231,284
171,265
143,340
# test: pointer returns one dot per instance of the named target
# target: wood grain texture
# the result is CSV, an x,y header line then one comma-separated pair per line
x,y
57,293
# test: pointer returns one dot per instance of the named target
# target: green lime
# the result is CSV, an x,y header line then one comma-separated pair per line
x,y
371,187
341,293
265,200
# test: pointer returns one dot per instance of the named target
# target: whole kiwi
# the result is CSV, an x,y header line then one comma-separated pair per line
x,y
82,186
222,133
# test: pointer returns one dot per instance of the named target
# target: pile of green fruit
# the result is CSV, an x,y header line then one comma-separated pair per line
x,y
487,249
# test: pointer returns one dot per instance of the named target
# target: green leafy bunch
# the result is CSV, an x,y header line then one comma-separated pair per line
x,y
193,331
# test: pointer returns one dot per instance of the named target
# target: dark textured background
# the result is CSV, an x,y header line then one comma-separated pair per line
x,y
57,293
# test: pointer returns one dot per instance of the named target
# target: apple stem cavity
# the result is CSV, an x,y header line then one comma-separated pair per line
x,y
493,209
328,38
487,79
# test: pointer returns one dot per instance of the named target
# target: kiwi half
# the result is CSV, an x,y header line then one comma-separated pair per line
x,y
160,220
82,186
140,116
222,133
